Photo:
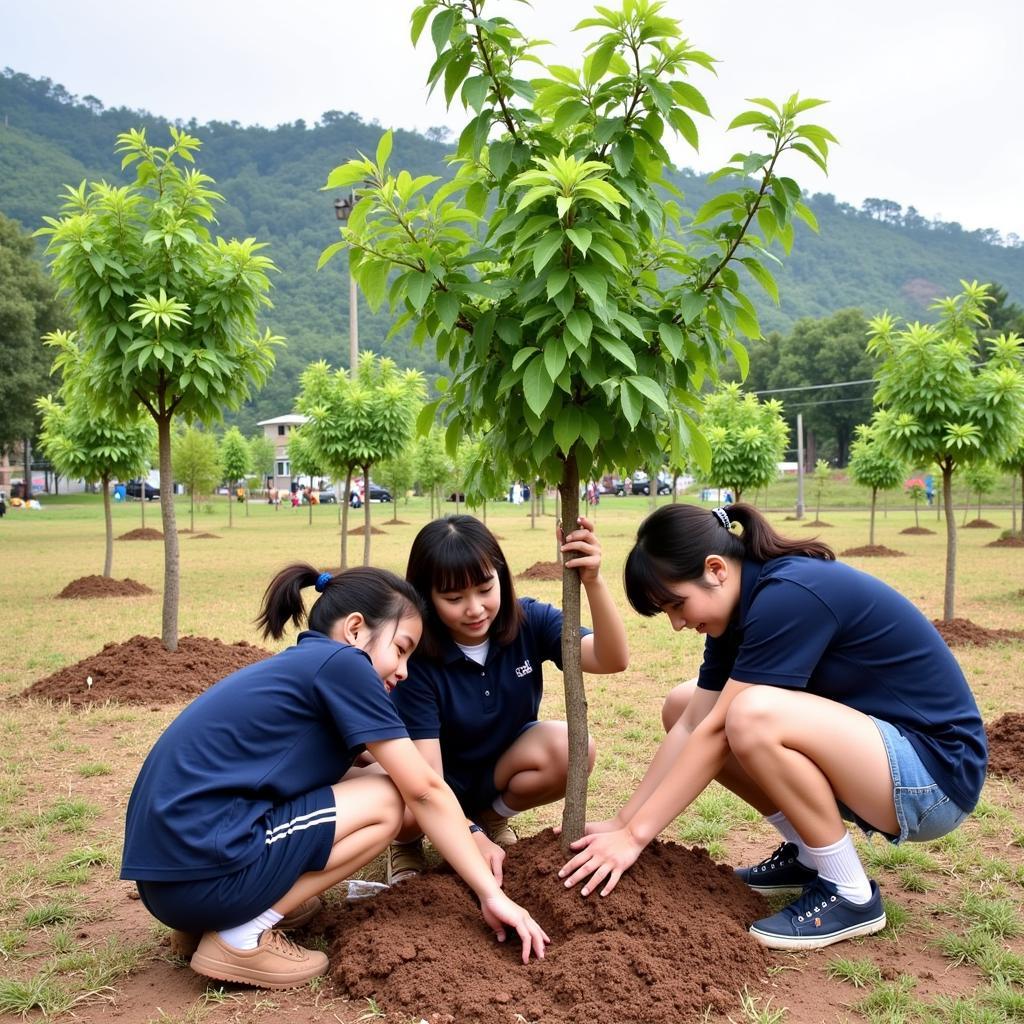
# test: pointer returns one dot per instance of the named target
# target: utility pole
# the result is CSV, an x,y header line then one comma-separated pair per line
x,y
799,465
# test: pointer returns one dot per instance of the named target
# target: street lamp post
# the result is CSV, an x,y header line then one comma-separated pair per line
x,y
343,210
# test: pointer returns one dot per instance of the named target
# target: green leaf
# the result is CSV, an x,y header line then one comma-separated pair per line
x,y
384,148
589,430
455,72
554,357
805,213
474,92
537,386
579,325
752,117
418,287
593,282
447,307
523,356
567,427
597,64
683,123
650,390
617,348
580,237
329,253
691,97
373,279
672,339
691,305
713,207
441,28
569,113
346,175
739,351
632,405
762,276
622,155
499,156
557,280
544,250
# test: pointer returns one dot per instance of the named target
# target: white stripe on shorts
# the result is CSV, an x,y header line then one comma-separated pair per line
x,y
325,816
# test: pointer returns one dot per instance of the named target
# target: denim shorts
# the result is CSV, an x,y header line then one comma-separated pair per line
x,y
923,810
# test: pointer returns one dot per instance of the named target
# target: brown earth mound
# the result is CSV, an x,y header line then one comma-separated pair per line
x,y
872,551
671,939
1007,542
396,522
142,534
964,633
360,531
979,524
1006,746
916,531
817,523
542,571
142,671
206,536
103,586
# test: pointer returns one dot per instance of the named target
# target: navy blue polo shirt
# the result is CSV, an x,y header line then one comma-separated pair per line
x,y
804,623
263,735
478,711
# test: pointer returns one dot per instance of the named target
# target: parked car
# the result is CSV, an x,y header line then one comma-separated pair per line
x,y
378,493
328,496
134,490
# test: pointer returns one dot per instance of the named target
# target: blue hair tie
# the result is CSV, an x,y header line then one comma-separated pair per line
x,y
322,580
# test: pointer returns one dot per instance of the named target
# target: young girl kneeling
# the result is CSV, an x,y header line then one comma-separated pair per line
x,y
824,695
248,806
474,688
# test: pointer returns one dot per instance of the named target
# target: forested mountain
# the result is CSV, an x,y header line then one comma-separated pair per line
x,y
875,258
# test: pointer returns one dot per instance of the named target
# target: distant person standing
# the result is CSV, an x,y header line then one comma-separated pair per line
x,y
517,493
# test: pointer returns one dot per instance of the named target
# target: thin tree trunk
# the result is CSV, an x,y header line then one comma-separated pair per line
x,y
871,532
169,625
142,499
675,487
979,504
1013,500
949,595
533,507
192,509
245,495
574,814
108,523
344,519
967,508
231,508
917,518
367,528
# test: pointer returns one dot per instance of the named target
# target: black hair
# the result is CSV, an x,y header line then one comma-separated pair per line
x,y
454,553
673,543
378,595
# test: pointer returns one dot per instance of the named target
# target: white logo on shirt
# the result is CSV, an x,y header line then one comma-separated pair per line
x,y
525,669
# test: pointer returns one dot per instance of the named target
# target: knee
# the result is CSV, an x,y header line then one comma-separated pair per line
x,y
389,804
676,703
750,722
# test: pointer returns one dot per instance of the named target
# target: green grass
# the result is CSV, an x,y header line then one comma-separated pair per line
x,y
859,973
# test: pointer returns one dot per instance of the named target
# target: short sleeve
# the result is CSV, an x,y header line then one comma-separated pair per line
x,y
415,699
545,624
786,631
354,697
719,656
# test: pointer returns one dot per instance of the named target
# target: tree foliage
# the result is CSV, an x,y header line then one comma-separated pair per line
x,y
235,461
167,314
876,466
196,465
940,403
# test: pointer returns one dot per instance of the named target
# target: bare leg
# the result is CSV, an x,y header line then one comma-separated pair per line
x,y
533,770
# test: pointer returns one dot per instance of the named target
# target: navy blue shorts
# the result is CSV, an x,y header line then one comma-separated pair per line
x,y
476,794
300,835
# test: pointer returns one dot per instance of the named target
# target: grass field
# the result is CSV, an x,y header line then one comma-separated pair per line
x,y
71,940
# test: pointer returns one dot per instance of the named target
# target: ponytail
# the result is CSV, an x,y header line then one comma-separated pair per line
x,y
673,543
376,594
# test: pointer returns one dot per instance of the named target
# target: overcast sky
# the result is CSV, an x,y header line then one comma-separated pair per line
x,y
923,93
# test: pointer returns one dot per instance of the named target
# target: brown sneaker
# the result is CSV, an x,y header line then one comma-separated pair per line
x,y
498,830
276,962
405,860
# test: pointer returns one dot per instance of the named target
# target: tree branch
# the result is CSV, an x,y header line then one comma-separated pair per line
x,y
506,114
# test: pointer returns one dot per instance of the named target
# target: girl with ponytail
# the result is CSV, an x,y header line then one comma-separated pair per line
x,y
250,803
824,697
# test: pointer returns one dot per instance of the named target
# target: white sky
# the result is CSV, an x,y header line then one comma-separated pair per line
x,y
925,95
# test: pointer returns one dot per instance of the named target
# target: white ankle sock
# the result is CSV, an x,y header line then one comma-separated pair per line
x,y
839,864
247,936
500,807
789,833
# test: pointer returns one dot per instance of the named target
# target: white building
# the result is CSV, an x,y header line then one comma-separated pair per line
x,y
278,431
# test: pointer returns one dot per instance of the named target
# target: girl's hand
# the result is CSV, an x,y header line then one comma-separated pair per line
x,y
584,551
492,853
499,911
604,855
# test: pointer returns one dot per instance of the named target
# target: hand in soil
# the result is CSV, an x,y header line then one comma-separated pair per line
x,y
492,853
499,911
604,855
581,550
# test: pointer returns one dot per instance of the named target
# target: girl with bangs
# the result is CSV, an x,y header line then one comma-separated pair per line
x,y
473,692
824,696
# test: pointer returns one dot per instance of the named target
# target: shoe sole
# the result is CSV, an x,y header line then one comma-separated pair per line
x,y
769,890
220,971
817,942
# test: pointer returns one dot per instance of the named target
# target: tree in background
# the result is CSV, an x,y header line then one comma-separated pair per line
x,y
874,465
820,481
1013,463
915,490
28,309
262,454
196,465
94,447
939,403
167,315
433,466
980,478
578,329
398,474
748,438
236,461
306,460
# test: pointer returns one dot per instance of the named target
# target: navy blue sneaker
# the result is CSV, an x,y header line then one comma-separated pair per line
x,y
781,872
820,917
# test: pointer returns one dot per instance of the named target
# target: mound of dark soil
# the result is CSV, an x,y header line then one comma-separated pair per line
x,y
1007,542
964,633
872,551
396,522
360,531
671,939
142,534
815,523
979,524
542,571
205,536
142,671
104,586
1006,746
917,531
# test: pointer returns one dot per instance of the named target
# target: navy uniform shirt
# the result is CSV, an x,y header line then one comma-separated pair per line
x,y
478,711
265,734
825,627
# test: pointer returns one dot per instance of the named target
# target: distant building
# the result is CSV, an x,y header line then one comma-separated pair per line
x,y
278,431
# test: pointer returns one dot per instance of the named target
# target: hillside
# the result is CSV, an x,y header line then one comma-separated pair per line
x,y
272,178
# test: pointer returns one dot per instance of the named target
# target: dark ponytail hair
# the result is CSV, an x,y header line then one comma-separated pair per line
x,y
454,553
378,595
673,543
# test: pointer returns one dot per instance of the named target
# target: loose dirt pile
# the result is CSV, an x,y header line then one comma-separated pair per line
x,y
205,536
1006,746
542,571
142,534
917,531
360,531
671,939
817,523
964,633
872,551
1006,542
142,671
104,586
980,524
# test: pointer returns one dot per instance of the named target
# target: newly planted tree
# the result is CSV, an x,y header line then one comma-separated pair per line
x,y
941,403
577,326
874,465
747,440
235,461
196,465
398,474
819,483
1013,463
305,460
980,478
261,455
915,490
166,313
433,466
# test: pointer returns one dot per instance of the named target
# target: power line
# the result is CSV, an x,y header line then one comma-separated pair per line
x,y
814,387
